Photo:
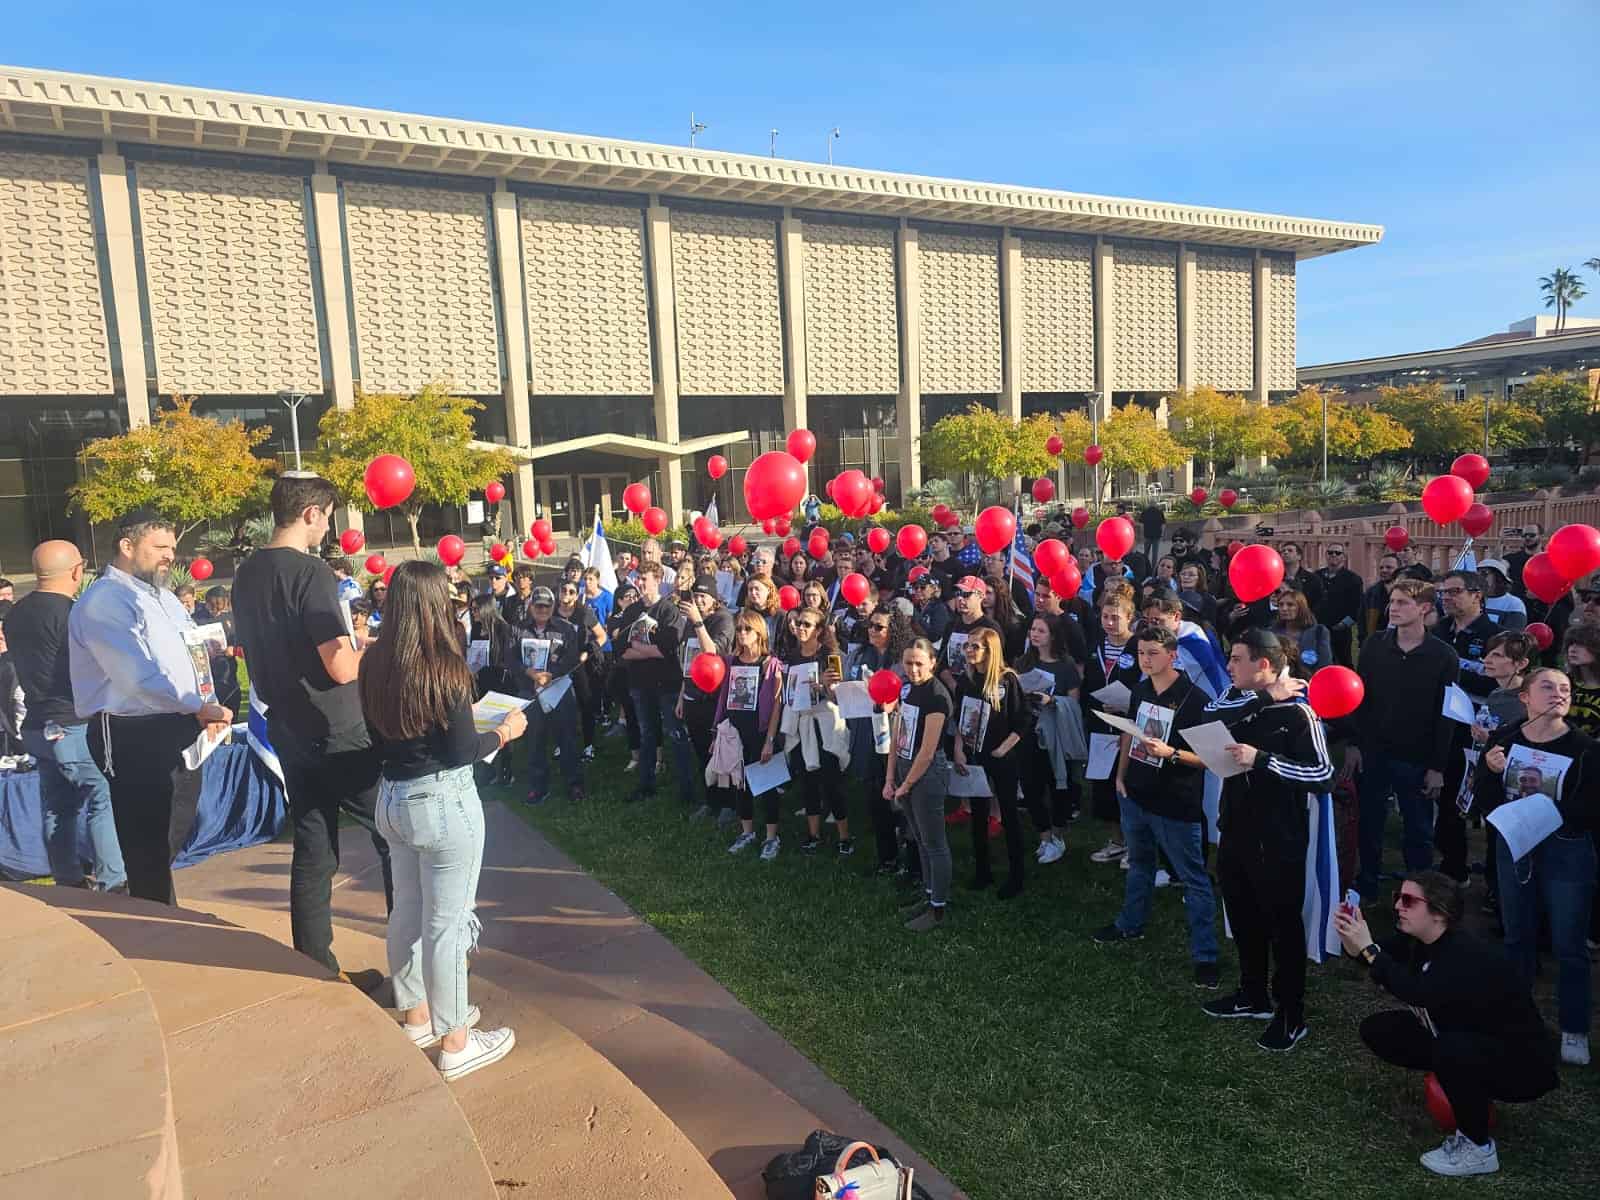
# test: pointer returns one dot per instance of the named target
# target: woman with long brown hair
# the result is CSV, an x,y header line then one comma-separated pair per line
x,y
992,718
416,693
1296,622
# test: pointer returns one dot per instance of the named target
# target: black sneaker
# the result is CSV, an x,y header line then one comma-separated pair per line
x,y
1111,934
846,847
1280,1036
810,845
577,793
1207,976
639,796
1237,1005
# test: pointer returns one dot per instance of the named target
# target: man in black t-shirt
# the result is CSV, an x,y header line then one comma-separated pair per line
x,y
709,630
1159,790
1153,520
654,677
969,618
551,651
303,665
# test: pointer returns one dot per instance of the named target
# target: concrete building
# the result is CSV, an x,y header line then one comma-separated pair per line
x,y
622,309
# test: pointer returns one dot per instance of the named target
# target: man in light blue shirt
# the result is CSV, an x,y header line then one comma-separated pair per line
x,y
134,667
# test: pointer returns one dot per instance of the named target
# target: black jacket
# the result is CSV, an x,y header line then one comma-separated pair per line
x,y
1341,597
1264,810
1402,713
1470,643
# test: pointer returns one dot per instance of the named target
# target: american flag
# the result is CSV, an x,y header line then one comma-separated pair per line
x,y
1021,560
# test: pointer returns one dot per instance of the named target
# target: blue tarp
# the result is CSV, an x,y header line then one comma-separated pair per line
x,y
241,803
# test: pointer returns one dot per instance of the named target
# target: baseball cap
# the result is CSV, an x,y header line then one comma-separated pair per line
x,y
705,585
971,583
497,572
542,595
848,539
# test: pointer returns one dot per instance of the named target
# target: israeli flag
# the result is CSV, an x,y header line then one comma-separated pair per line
x,y
255,736
597,553
711,512
1322,881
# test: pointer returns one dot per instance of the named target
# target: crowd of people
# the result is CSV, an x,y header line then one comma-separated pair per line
x,y
1004,690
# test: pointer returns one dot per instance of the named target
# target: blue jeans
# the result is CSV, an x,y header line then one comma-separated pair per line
x,y
1557,878
657,712
1144,832
69,781
434,827
1380,775
562,726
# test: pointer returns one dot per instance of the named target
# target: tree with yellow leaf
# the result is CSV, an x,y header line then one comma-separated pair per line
x,y
1218,427
1133,441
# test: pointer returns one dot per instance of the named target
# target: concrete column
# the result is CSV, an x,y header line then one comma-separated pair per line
x,y
1011,325
1182,476
1261,278
519,422
658,239
908,405
1186,276
1104,366
791,265
117,208
335,302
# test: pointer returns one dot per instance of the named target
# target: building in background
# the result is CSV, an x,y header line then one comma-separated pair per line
x,y
622,310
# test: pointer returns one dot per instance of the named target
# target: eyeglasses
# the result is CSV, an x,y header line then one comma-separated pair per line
x,y
1335,553
1453,591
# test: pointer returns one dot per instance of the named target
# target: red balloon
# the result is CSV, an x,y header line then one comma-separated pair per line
x,y
542,531
1227,497
877,504
497,551
547,545
1043,490
995,527
939,511
769,527
1544,579
884,687
653,519
1198,496
854,587
911,541
495,492
1255,573
351,541
451,549
530,549
388,576
1335,692
737,546
791,547
1477,519
716,466
200,570
636,498
788,597
828,488
389,480
1543,636
1080,517
1474,468
774,484
707,533
878,539
1053,445
1115,537
1051,555
950,520
375,564
817,543
852,492
707,671
1396,538
1092,455
780,525
1235,546
1446,498
1437,1103
801,444
1575,550
1066,582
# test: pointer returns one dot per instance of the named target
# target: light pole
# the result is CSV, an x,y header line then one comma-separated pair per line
x,y
772,143
292,401
1324,437
833,136
695,128
1486,392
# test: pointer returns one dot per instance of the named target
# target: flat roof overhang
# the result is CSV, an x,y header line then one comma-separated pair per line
x,y
623,444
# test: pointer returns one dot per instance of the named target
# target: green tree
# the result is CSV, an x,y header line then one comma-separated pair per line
x,y
980,445
189,468
1133,441
1562,289
1355,432
1513,424
1439,425
1223,427
431,430
1566,409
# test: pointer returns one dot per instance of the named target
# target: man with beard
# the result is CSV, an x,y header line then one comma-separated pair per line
x,y
1340,606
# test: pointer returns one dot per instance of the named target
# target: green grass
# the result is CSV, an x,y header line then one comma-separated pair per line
x,y
1024,1061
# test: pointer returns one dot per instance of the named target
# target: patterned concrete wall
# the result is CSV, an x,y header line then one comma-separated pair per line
x,y
1223,321
1280,325
52,316
1144,318
730,329
1057,316
852,327
228,274
960,299
424,299
588,309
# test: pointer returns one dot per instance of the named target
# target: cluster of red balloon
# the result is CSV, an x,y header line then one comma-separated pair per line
x,y
944,516
1572,552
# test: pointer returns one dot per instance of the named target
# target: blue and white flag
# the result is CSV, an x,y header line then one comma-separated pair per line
x,y
597,553
1322,881
711,512
255,736
1202,659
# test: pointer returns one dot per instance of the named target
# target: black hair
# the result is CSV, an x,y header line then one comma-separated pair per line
x,y
1164,598
293,494
1159,634
1263,644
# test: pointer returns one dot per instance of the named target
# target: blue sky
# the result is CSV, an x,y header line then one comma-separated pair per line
x,y
1468,130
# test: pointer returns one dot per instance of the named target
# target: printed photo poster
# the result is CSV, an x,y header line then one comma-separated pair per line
x,y
974,722
536,654
800,687
1469,776
1530,771
215,637
200,657
744,688
906,743
1154,721
955,651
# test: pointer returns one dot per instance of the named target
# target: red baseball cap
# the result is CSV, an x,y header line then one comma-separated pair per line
x,y
971,583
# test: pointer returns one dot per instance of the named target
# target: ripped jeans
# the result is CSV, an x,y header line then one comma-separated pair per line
x,y
434,827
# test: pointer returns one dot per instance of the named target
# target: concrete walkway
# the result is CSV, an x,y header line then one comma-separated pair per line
x,y
559,947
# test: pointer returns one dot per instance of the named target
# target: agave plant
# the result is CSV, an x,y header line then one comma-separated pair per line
x,y
1329,491
1384,483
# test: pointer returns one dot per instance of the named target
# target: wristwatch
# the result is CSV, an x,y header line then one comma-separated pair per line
x,y
1370,954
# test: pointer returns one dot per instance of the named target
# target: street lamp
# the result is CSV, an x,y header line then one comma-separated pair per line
x,y
1324,437
292,401
833,136
695,128
772,143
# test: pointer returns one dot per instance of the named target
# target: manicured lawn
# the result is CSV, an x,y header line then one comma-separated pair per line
x,y
1028,1063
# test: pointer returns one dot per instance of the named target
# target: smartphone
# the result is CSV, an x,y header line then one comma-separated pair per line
x,y
1352,901
836,665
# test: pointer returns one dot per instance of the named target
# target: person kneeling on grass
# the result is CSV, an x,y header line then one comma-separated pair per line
x,y
918,776
752,688
1470,1018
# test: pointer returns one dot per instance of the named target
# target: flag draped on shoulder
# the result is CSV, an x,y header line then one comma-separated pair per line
x,y
597,553
1202,660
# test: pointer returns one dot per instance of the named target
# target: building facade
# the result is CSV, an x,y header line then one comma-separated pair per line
x,y
622,310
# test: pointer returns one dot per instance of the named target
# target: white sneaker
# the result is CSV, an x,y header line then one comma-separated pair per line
x,y
1575,1049
1038,851
1054,851
423,1036
743,841
1111,850
1126,863
770,848
482,1048
1163,879
799,812
1459,1155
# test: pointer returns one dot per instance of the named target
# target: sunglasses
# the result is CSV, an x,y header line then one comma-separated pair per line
x,y
805,625
1405,901
1589,597
1335,553
963,595
879,627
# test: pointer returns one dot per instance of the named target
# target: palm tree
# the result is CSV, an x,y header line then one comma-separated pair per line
x,y
1562,288
1593,264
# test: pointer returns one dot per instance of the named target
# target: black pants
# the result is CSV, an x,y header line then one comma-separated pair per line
x,y
745,804
824,786
1263,898
560,727
885,822
320,786
1002,774
1343,645
1472,1068
583,689
1050,807
153,797
617,688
